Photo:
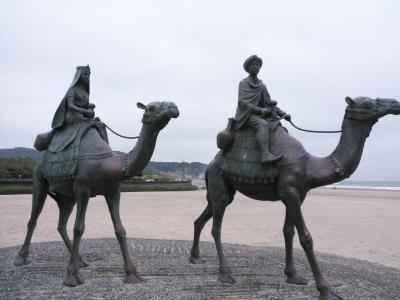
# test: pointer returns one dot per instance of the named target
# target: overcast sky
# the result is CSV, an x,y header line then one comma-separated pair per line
x,y
191,52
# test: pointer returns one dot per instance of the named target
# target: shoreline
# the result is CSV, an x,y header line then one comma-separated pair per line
x,y
360,187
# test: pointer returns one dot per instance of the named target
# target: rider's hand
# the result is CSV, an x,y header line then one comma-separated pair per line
x,y
265,112
287,117
90,114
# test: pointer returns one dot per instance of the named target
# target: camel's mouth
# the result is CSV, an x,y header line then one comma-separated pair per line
x,y
395,107
174,112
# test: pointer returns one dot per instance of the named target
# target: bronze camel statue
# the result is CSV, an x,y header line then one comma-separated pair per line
x,y
99,172
298,172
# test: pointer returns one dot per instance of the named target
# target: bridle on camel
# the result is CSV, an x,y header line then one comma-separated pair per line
x,y
307,130
120,135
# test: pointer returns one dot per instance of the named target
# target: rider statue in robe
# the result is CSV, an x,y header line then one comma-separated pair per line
x,y
72,119
255,108
75,105
73,110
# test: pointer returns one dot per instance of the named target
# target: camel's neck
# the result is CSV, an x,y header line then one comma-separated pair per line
x,y
140,155
348,152
345,158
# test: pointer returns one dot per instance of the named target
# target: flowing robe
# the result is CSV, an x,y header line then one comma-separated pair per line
x,y
251,94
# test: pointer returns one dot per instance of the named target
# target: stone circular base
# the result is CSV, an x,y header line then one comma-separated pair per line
x,y
164,266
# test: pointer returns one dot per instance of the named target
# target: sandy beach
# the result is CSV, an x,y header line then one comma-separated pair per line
x,y
361,224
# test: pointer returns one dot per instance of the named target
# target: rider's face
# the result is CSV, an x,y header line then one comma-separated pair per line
x,y
85,77
254,67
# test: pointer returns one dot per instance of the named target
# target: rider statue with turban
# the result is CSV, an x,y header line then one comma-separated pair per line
x,y
255,108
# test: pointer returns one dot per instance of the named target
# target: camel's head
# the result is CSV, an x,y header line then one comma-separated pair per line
x,y
364,108
158,114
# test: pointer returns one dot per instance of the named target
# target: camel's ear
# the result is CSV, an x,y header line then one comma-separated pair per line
x,y
141,105
350,101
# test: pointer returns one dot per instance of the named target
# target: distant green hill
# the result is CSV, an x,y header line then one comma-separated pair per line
x,y
178,168
21,152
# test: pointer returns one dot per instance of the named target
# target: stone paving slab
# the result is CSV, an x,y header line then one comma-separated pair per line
x,y
168,274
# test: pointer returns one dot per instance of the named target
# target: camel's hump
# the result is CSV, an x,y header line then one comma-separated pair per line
x,y
89,138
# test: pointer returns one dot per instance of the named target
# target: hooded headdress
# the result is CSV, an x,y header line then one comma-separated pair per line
x,y
59,116
249,60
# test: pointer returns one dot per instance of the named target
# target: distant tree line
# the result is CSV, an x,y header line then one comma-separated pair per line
x,y
17,167
193,168
153,175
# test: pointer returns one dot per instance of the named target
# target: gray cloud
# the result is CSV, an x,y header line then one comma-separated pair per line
x,y
315,53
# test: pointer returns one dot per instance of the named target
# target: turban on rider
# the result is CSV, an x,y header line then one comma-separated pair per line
x,y
248,62
59,116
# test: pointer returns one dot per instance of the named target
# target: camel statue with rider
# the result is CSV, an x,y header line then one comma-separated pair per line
x,y
261,160
78,164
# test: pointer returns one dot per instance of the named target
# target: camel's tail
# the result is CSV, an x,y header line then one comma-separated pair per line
x,y
206,179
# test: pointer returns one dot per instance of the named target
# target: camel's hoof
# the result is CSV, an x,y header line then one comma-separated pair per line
x,y
132,278
329,296
196,260
73,280
82,264
226,278
296,279
20,261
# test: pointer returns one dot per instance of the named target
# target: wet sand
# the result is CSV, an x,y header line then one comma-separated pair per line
x,y
362,224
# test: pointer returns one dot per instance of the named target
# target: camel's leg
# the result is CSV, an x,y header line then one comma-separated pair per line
x,y
290,270
220,197
292,202
198,227
40,189
113,206
65,205
224,271
73,278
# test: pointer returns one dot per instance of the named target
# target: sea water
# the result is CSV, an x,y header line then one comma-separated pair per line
x,y
367,185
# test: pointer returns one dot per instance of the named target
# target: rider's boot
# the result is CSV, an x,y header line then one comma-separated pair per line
x,y
266,155
263,138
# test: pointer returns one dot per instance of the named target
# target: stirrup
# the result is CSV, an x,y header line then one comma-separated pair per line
x,y
271,158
